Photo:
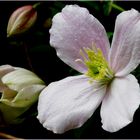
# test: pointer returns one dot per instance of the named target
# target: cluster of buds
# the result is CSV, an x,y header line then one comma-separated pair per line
x,y
19,89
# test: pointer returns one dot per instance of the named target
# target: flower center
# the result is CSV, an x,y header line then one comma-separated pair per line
x,y
97,65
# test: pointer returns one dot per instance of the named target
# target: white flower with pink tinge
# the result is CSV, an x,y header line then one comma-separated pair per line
x,y
81,42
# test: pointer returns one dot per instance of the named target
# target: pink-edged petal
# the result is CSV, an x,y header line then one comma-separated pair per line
x,y
120,103
4,69
72,30
125,50
68,103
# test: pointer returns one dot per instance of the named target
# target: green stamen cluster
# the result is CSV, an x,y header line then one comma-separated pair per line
x,y
97,65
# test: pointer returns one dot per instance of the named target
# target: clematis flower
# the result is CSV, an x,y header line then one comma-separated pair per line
x,y
81,42
19,89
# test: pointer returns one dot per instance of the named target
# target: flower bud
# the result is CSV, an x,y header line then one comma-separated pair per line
x,y
21,20
19,89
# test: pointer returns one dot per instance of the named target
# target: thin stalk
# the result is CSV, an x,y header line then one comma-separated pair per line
x,y
7,136
115,6
28,57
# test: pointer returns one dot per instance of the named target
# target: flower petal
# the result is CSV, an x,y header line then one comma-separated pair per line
x,y
21,103
68,103
125,50
7,93
4,69
25,97
72,30
20,78
120,103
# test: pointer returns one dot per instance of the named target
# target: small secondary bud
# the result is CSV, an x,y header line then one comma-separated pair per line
x,y
21,20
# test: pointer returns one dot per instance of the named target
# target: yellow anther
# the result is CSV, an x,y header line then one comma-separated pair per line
x,y
97,65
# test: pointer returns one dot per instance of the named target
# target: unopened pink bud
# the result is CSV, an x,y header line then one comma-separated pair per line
x,y
21,20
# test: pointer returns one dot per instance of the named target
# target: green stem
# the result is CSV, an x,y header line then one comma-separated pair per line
x,y
117,7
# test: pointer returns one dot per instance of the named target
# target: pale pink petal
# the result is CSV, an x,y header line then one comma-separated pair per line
x,y
73,29
4,69
125,50
120,103
68,103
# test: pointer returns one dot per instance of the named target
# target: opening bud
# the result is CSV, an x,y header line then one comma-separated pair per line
x,y
19,89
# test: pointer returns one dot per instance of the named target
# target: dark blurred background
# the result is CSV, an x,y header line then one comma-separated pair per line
x,y
50,68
